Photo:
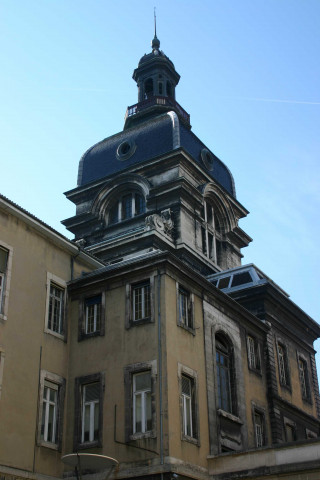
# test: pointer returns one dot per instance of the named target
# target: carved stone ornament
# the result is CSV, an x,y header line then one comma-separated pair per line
x,y
163,223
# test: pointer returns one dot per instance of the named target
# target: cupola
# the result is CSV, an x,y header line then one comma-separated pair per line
x,y
156,78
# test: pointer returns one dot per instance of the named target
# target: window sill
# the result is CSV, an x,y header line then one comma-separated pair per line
x,y
143,321
55,334
286,387
52,446
141,436
194,441
307,400
229,416
256,371
188,329
86,336
95,444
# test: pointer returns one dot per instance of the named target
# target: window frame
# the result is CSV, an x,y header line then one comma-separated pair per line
x,y
59,383
193,405
261,413
254,354
189,298
306,388
80,384
283,364
292,425
82,325
131,288
145,395
5,284
119,206
2,358
129,372
53,280
232,387
211,236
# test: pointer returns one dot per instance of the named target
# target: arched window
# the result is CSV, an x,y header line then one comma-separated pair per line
x,y
169,89
211,234
127,206
148,88
225,374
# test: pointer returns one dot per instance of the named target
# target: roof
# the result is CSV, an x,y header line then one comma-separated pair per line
x,y
14,209
147,140
242,277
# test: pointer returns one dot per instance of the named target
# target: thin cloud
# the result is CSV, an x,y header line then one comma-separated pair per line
x,y
275,100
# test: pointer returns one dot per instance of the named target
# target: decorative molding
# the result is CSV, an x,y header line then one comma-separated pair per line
x,y
162,223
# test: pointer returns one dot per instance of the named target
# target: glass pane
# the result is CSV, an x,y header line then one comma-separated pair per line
x,y
188,417
43,419
51,424
86,430
224,282
92,392
3,260
139,204
147,310
127,206
148,411
142,381
138,303
96,421
138,413
113,215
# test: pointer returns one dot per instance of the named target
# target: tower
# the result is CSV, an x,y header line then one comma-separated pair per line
x,y
155,185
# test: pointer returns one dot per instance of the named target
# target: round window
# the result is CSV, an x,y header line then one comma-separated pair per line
x,y
125,150
207,159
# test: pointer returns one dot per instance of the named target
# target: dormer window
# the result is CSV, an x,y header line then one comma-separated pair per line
x,y
128,206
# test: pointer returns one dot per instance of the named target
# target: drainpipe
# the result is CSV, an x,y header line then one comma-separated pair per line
x,y
160,371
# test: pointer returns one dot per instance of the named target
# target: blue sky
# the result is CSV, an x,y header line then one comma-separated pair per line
x,y
250,77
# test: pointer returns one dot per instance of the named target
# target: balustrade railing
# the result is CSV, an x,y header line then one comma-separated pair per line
x,y
157,100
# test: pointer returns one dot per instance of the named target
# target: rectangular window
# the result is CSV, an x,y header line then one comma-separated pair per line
x,y
259,429
56,309
49,412
142,416
90,412
187,391
253,353
304,380
290,433
283,365
188,404
185,308
141,306
93,314
51,396
4,254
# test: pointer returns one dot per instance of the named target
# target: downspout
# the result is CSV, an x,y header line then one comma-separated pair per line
x,y
160,371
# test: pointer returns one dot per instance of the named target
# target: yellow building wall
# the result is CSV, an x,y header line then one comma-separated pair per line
x,y
26,346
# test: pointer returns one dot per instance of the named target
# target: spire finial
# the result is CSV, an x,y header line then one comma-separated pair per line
x,y
155,44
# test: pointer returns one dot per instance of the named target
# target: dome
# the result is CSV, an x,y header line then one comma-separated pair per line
x,y
147,141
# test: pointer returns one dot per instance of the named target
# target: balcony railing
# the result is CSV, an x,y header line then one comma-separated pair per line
x,y
158,100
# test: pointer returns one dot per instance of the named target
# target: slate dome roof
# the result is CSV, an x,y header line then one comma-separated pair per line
x,y
145,141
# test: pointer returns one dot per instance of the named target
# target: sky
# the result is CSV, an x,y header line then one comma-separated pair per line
x,y
250,77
